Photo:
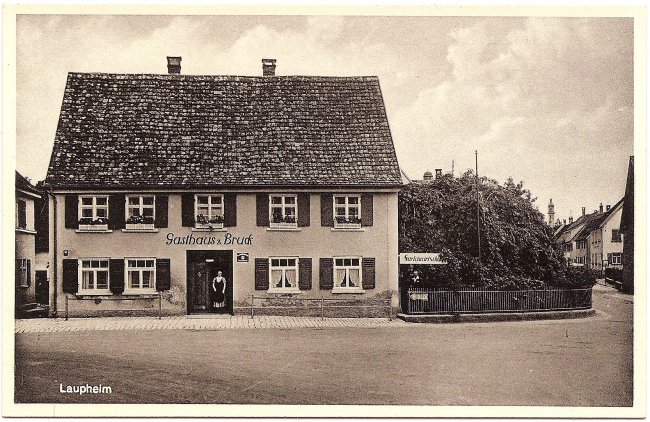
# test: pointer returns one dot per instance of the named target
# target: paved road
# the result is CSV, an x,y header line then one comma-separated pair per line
x,y
584,362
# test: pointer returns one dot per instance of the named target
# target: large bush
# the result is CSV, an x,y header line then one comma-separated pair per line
x,y
517,247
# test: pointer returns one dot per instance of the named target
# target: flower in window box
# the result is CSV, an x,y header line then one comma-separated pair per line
x,y
100,221
289,219
140,219
201,219
350,220
217,219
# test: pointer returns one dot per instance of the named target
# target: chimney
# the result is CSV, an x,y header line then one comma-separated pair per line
x,y
584,210
268,67
174,65
571,219
600,208
607,207
428,176
564,221
438,173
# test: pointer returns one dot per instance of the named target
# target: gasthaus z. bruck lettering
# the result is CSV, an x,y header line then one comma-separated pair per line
x,y
157,182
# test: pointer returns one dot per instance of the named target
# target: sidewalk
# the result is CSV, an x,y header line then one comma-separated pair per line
x,y
48,325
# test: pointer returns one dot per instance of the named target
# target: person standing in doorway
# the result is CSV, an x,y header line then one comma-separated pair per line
x,y
219,291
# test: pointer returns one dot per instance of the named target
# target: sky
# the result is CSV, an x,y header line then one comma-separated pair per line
x,y
546,101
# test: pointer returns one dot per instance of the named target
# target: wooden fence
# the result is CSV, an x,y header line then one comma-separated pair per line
x,y
426,301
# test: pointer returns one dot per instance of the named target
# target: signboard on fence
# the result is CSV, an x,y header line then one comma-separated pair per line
x,y
429,258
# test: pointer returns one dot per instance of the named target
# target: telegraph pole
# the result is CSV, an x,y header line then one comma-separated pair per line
x,y
478,216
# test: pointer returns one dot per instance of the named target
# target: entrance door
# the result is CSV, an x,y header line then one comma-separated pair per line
x,y
202,268
42,288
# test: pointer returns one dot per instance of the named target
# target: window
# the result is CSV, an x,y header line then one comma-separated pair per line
x,y
284,211
140,211
581,244
23,272
283,273
347,273
347,211
93,212
140,275
616,235
208,210
93,277
21,214
616,259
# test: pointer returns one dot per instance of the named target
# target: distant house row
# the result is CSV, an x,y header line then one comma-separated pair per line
x,y
603,239
593,240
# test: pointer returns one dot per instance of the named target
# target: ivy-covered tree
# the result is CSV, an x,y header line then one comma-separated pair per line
x,y
517,250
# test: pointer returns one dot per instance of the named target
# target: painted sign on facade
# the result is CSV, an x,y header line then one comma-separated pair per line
x,y
428,258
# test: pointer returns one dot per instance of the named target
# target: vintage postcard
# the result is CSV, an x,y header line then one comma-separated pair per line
x,y
324,211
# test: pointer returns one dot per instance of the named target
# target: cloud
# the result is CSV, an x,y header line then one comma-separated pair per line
x,y
545,102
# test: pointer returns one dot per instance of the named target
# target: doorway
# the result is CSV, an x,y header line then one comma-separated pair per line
x,y
202,268
42,288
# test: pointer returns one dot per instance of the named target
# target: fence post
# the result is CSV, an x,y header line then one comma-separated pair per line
x,y
322,302
159,305
252,305
66,307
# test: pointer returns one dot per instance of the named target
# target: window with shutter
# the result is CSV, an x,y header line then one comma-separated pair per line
x,y
140,213
347,274
21,214
283,211
162,211
230,210
23,272
140,276
326,210
347,211
368,265
93,276
70,276
209,210
262,209
367,210
163,274
283,274
93,212
304,277
261,273
326,276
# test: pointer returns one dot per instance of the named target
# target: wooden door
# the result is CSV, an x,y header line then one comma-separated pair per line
x,y
42,288
198,280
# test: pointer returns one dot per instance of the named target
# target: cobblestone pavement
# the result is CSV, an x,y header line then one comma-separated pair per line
x,y
48,325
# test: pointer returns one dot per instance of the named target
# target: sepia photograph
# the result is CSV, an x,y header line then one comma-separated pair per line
x,y
301,208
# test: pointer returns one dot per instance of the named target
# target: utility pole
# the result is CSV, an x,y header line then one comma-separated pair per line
x,y
478,215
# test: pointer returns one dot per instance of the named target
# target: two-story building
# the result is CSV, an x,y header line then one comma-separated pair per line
x,y
211,189
605,239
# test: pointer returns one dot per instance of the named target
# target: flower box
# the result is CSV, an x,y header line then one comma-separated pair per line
x,y
140,226
283,225
93,227
209,226
347,225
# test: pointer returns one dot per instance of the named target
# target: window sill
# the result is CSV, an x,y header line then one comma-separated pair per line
x,y
349,290
347,229
284,229
143,292
23,230
94,293
140,230
93,231
209,229
283,292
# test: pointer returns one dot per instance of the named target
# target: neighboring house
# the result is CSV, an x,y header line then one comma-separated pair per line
x,y
25,233
286,184
572,241
605,239
627,228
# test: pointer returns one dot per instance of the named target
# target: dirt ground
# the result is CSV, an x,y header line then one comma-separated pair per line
x,y
585,362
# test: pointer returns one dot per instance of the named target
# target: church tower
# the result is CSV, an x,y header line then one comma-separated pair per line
x,y
551,213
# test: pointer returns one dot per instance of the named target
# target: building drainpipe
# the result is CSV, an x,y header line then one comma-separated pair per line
x,y
55,266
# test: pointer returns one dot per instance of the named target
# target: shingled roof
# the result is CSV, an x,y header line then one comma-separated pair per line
x,y
136,131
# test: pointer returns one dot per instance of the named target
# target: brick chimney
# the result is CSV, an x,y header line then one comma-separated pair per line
x,y
174,65
268,67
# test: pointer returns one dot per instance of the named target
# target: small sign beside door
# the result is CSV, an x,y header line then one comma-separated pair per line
x,y
242,256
